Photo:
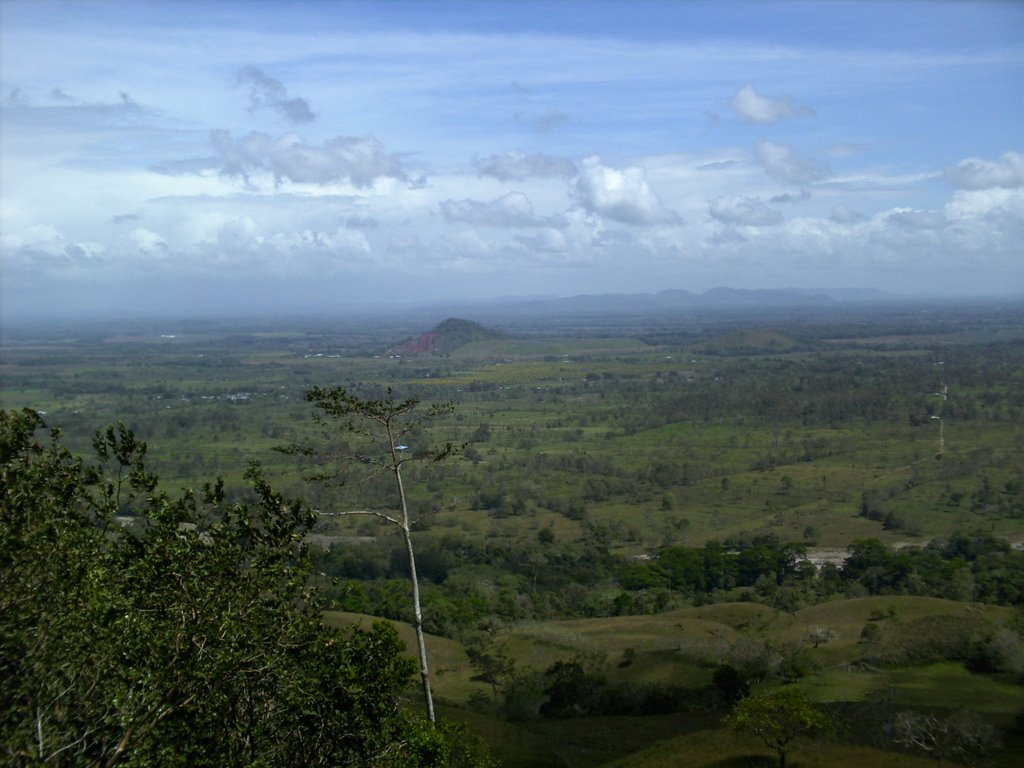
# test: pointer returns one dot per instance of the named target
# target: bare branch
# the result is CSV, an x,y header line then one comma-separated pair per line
x,y
370,512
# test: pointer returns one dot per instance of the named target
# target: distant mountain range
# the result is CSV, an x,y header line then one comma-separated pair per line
x,y
678,299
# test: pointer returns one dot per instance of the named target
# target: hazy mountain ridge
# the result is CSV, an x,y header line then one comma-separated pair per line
x,y
678,299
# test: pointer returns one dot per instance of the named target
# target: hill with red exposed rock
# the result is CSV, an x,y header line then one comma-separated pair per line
x,y
446,337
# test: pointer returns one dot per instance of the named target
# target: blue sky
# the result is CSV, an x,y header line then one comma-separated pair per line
x,y
222,156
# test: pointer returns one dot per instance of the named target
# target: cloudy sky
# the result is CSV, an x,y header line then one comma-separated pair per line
x,y
216,156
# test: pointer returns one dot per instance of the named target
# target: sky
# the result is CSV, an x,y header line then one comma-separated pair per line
x,y
222,157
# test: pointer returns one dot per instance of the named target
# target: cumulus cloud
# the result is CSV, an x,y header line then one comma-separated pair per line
x,y
514,165
147,241
785,164
755,107
465,244
788,197
622,195
843,215
511,210
230,241
358,221
907,218
545,240
361,160
976,173
727,236
266,92
43,246
341,243
746,211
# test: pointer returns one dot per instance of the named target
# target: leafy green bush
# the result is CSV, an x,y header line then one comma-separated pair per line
x,y
191,637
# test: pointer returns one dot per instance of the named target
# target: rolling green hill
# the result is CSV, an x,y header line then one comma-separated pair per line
x,y
683,647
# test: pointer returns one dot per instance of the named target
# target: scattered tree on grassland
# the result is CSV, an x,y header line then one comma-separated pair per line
x,y
190,637
963,736
778,718
491,666
379,427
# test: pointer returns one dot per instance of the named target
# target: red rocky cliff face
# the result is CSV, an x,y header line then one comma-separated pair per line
x,y
426,343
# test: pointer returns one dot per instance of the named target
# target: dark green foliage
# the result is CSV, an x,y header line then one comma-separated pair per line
x,y
574,688
924,640
967,566
778,718
492,667
731,683
694,571
190,638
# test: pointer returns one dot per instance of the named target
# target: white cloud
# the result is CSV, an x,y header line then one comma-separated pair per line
x,y
975,173
622,195
21,111
311,248
360,221
907,218
147,241
718,165
82,159
360,160
843,215
979,203
545,240
465,244
785,164
745,211
267,93
511,210
788,197
515,165
755,107
43,247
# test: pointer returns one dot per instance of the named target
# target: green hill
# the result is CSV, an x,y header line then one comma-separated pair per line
x,y
446,337
684,646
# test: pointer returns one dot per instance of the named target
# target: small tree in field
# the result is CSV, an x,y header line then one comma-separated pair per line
x,y
778,718
963,737
379,426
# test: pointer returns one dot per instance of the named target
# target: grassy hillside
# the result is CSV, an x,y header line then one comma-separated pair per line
x,y
682,648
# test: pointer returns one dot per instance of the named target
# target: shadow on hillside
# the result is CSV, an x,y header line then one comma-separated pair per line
x,y
745,761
